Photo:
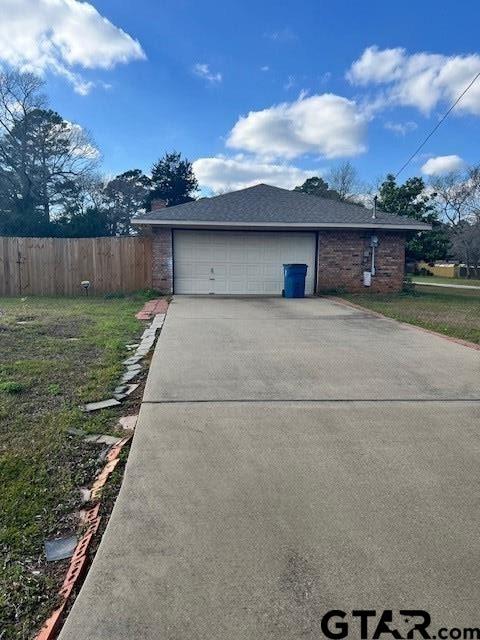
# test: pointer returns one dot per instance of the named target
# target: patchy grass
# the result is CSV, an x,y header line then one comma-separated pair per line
x,y
451,313
472,282
56,354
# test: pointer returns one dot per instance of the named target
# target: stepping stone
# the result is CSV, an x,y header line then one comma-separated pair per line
x,y
131,372
60,548
103,404
132,360
99,438
158,321
146,343
128,422
134,367
131,388
129,375
151,337
120,389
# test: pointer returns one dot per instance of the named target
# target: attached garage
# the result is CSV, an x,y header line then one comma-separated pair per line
x,y
239,262
238,242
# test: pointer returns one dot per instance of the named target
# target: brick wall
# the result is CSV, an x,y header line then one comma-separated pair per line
x,y
162,260
343,256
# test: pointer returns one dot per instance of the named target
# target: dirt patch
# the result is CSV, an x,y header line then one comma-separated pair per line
x,y
72,328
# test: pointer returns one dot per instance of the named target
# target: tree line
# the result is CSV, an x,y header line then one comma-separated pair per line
x,y
50,184
450,203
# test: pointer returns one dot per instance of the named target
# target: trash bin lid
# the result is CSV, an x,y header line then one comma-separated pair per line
x,y
295,264
294,267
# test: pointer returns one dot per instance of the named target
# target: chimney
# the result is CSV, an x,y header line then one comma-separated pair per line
x,y
157,204
374,213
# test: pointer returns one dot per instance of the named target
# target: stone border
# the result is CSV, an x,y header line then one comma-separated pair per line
x,y
78,562
132,363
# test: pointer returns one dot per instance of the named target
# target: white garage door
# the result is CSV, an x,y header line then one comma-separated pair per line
x,y
239,262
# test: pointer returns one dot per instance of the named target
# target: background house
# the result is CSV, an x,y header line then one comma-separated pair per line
x,y
236,243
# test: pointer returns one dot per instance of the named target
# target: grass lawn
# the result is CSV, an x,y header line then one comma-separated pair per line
x,y
470,281
449,312
56,353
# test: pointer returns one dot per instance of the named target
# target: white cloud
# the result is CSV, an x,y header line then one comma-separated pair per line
x,y
80,144
265,68
326,124
203,71
376,66
421,80
221,174
60,35
401,128
440,165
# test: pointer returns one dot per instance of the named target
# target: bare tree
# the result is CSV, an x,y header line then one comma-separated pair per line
x,y
344,180
41,155
458,197
458,194
19,97
465,244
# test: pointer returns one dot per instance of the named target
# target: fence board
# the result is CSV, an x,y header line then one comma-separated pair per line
x,y
56,266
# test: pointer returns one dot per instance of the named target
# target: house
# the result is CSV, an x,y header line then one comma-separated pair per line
x,y
236,243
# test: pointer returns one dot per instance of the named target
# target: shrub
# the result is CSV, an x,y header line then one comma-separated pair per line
x,y
408,287
11,387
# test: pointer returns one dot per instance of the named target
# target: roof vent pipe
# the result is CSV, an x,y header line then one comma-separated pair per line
x,y
374,214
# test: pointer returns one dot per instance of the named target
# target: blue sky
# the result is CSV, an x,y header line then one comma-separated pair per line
x,y
257,91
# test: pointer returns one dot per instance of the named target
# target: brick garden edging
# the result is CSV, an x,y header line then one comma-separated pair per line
x,y
78,562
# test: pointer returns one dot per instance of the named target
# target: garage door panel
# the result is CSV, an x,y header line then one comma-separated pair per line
x,y
238,271
192,270
254,270
242,262
193,285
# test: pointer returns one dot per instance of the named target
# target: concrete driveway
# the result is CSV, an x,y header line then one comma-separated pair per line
x,y
291,457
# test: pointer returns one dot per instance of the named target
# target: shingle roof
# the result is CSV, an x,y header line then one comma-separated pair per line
x,y
264,204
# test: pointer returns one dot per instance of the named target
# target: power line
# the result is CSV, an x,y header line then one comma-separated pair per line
x,y
444,117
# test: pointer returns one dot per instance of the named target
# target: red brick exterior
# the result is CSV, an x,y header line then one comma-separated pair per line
x,y
343,256
162,260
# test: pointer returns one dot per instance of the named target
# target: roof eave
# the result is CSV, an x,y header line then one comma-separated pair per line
x,y
206,224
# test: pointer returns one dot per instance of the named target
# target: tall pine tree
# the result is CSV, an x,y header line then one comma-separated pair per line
x,y
173,180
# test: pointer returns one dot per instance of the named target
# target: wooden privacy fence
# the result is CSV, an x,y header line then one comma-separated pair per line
x,y
56,266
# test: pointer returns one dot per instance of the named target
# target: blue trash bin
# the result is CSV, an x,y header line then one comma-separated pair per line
x,y
294,280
